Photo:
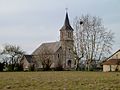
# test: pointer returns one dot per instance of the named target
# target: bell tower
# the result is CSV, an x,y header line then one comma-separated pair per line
x,y
67,43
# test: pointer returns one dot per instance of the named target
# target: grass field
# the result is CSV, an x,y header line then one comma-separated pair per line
x,y
65,80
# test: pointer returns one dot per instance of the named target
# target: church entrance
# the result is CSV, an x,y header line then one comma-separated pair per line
x,y
69,63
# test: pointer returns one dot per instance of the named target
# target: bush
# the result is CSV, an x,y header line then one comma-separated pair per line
x,y
2,66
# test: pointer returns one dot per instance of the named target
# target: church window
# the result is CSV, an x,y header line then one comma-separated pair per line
x,y
69,34
58,55
69,49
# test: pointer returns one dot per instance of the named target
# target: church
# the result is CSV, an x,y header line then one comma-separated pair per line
x,y
57,54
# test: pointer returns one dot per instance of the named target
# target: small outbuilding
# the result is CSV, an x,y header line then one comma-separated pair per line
x,y
27,62
112,63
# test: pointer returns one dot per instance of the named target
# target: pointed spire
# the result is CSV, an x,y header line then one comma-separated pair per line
x,y
67,25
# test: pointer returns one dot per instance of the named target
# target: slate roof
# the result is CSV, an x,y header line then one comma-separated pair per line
x,y
66,25
29,58
112,62
52,47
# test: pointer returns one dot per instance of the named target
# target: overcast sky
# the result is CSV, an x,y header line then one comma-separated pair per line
x,y
28,23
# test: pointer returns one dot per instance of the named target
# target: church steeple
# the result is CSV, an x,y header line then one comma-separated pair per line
x,y
67,25
67,43
66,32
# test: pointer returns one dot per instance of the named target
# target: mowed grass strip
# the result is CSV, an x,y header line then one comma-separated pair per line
x,y
63,80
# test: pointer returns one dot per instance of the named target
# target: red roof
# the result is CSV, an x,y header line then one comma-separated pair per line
x,y
112,62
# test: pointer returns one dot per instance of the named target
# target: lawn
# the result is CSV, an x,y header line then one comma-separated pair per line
x,y
63,80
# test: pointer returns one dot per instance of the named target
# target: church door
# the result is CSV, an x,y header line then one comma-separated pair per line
x,y
69,63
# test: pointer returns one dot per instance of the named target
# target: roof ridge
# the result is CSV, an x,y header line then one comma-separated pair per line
x,y
112,55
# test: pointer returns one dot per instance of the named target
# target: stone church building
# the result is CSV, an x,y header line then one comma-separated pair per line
x,y
61,52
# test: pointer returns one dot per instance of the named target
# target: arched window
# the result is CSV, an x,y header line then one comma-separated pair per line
x,y
69,34
61,35
58,55
69,50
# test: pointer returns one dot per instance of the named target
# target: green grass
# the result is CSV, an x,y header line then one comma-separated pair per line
x,y
65,80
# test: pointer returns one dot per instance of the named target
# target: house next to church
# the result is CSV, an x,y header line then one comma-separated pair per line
x,y
112,63
60,52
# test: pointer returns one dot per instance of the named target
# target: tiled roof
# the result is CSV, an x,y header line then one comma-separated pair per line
x,y
112,55
112,62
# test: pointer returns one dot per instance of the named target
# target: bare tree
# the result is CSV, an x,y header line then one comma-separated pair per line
x,y
78,56
92,40
13,54
45,58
